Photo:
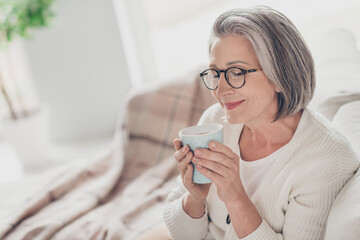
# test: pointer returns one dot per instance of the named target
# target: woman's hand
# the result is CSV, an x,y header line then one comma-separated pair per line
x,y
183,156
221,165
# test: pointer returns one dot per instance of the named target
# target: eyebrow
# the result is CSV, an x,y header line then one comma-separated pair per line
x,y
231,63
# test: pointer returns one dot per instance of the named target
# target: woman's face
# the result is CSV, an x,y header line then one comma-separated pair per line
x,y
254,103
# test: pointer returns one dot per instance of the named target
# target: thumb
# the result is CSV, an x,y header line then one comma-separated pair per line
x,y
189,173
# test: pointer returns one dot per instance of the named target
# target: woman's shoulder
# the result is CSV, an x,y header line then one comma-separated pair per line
x,y
213,114
323,132
325,147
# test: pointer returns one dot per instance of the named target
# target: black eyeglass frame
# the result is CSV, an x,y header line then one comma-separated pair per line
x,y
225,74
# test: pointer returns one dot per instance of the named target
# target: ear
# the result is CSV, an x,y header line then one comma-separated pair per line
x,y
277,90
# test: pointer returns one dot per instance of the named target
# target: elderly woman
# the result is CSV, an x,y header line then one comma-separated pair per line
x,y
282,164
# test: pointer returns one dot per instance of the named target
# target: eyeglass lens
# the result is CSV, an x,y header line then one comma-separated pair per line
x,y
235,77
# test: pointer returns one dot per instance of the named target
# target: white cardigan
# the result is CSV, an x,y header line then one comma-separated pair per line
x,y
294,197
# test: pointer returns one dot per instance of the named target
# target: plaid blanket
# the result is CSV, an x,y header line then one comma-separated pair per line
x,y
119,194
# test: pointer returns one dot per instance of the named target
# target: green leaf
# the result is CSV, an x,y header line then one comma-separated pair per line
x,y
19,16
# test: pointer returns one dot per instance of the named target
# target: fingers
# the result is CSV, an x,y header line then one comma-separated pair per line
x,y
180,151
177,144
183,156
215,157
214,176
183,164
213,166
221,148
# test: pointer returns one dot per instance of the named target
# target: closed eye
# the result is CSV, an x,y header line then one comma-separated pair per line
x,y
238,74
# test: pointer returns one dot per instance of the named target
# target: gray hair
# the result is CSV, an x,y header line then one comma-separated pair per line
x,y
281,50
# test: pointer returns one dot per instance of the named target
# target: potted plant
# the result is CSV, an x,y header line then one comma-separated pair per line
x,y
17,18
24,125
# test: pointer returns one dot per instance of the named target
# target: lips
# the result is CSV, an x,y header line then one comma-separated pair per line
x,y
232,105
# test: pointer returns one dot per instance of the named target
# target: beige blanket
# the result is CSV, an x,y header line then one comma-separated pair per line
x,y
121,193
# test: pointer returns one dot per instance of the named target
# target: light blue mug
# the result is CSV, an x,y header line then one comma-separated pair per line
x,y
199,136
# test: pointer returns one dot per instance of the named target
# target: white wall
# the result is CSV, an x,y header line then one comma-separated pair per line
x,y
180,29
79,69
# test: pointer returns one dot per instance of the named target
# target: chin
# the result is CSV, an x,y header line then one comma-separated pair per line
x,y
232,119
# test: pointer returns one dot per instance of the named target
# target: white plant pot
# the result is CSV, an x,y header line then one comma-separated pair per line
x,y
30,138
11,169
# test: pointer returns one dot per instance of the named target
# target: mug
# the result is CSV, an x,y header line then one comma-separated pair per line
x,y
199,136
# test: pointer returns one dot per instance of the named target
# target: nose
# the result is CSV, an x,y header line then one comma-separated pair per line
x,y
223,87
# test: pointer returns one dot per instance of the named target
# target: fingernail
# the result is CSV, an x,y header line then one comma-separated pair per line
x,y
184,148
195,159
213,144
198,152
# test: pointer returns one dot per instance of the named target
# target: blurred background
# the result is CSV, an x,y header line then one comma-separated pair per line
x,y
68,80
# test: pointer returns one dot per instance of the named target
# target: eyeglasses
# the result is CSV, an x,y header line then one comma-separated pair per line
x,y
234,76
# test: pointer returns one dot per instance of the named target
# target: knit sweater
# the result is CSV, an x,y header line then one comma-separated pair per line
x,y
294,197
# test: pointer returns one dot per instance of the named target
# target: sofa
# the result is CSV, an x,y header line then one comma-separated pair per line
x,y
337,95
121,193
344,218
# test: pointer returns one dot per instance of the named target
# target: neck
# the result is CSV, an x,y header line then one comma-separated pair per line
x,y
270,134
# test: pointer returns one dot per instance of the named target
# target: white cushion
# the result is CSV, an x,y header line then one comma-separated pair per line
x,y
344,217
337,65
347,119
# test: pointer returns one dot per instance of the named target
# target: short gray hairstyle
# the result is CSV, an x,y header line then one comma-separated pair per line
x,y
281,50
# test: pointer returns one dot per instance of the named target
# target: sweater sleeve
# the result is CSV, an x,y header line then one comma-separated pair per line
x,y
306,214
180,224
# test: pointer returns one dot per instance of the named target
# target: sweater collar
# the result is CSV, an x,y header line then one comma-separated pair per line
x,y
231,139
286,154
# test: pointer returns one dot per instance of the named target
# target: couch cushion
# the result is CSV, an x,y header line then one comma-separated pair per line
x,y
344,217
347,120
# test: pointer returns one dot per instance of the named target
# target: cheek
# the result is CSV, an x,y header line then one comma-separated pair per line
x,y
261,93
257,97
213,94
261,99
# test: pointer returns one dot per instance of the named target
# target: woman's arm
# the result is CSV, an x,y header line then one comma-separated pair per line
x,y
193,207
245,218
186,217
305,216
221,165
180,224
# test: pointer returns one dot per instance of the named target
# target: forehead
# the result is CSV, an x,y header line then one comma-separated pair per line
x,y
232,48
